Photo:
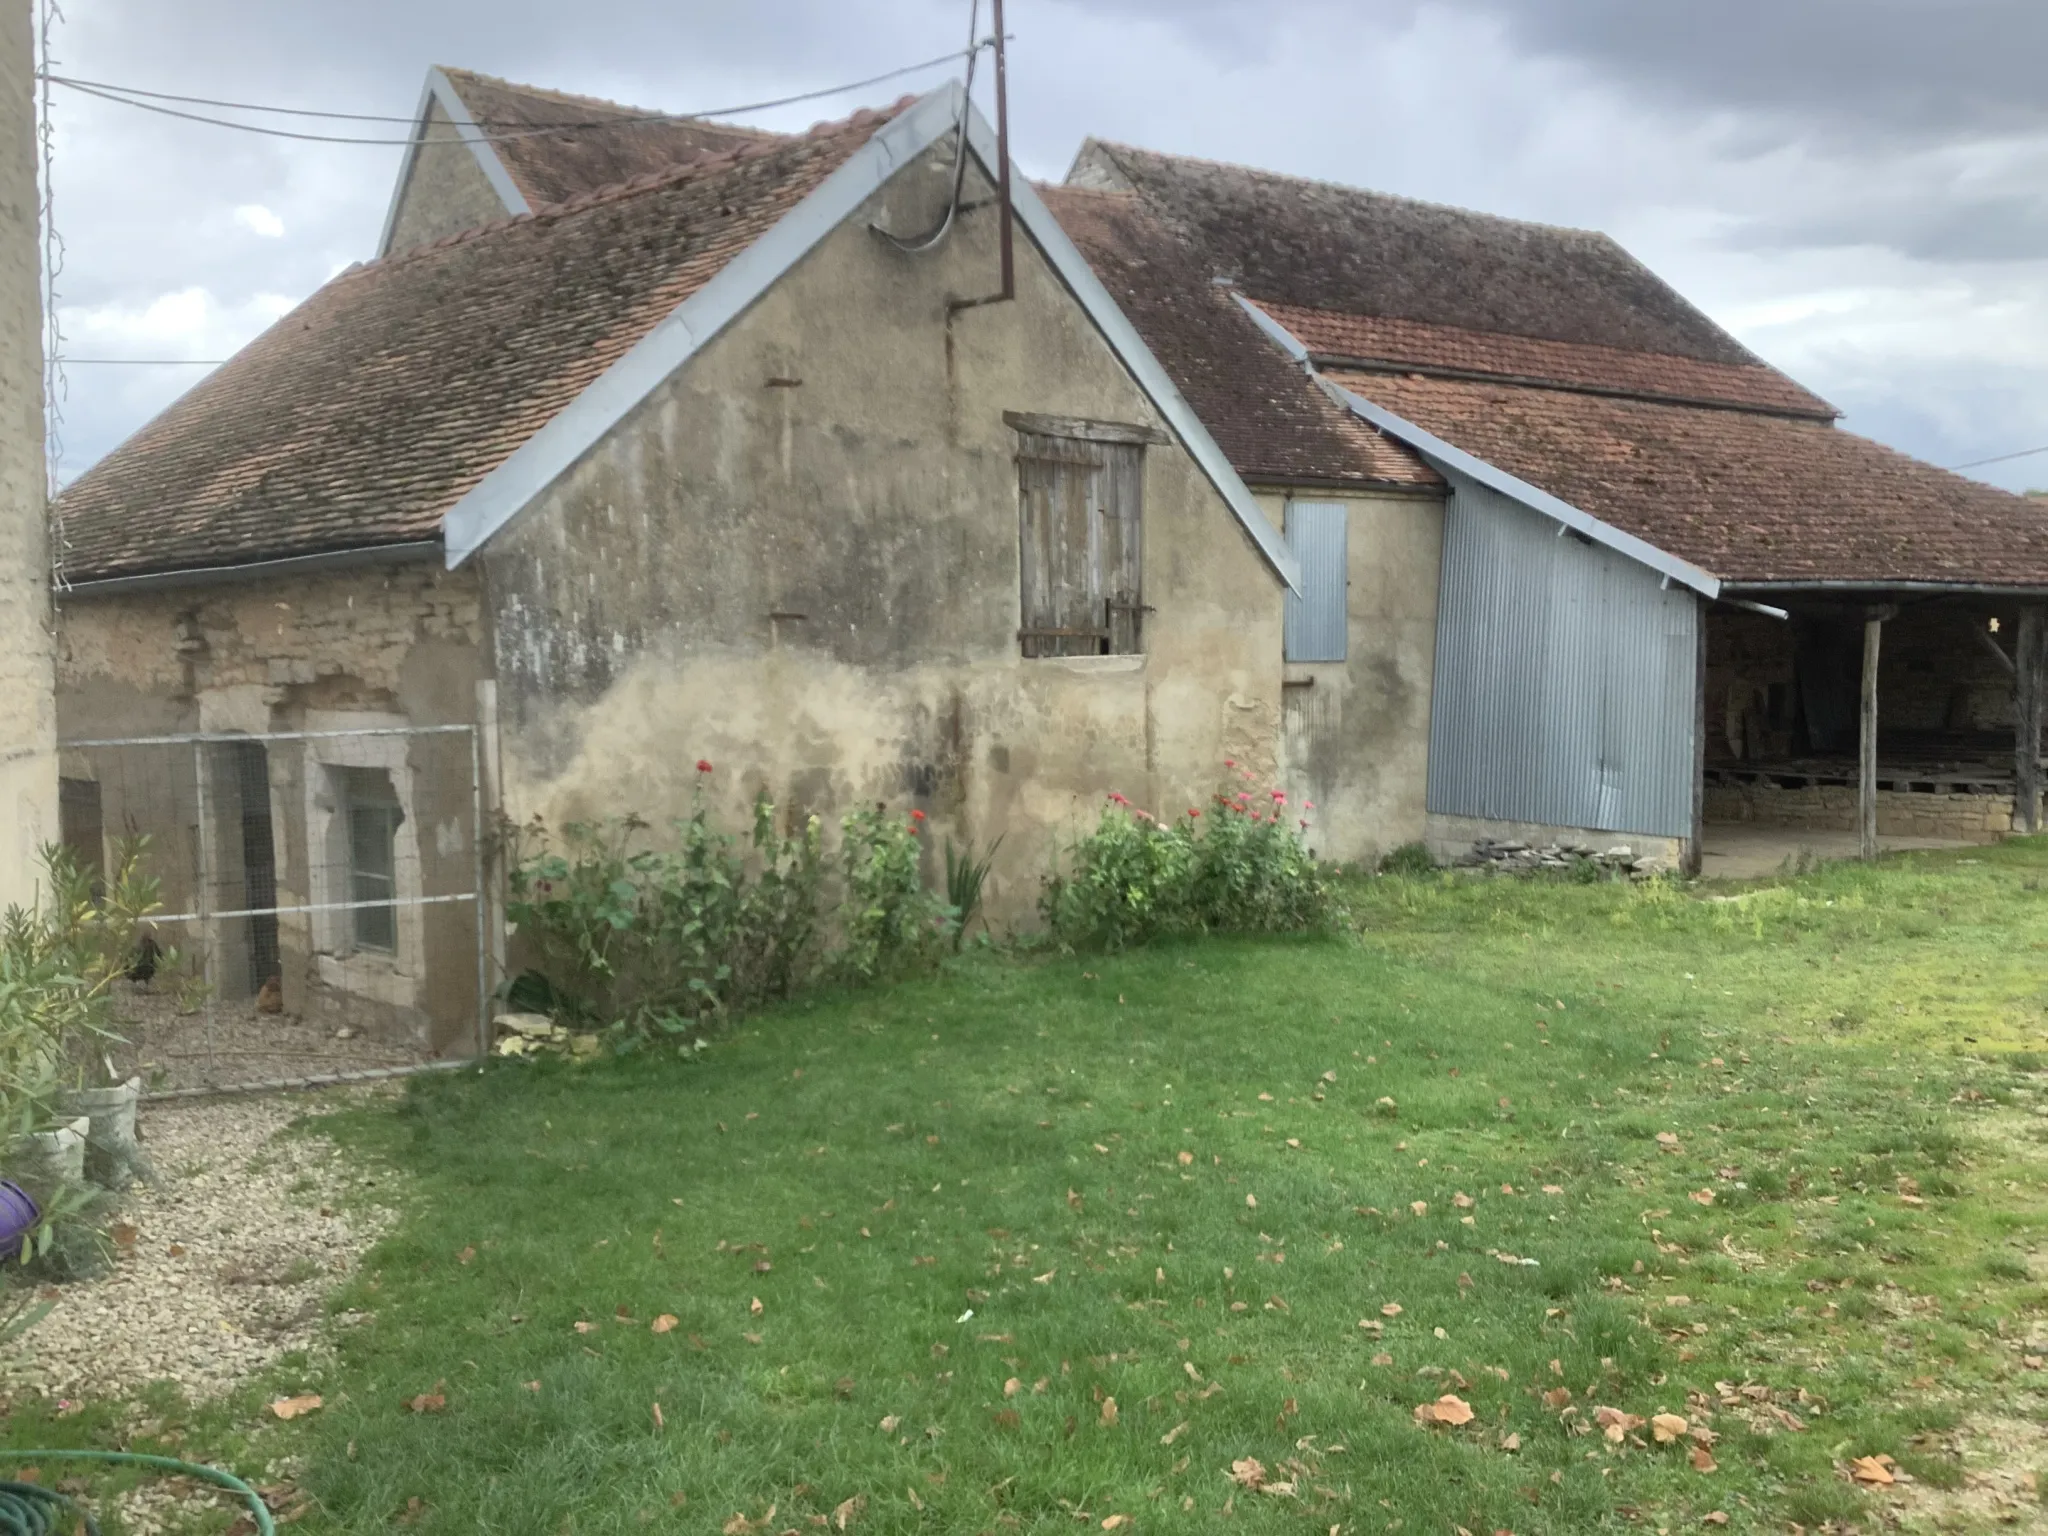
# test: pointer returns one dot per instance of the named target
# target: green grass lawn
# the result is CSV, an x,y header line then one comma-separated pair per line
x,y
1048,1241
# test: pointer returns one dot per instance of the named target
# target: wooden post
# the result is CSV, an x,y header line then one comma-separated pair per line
x,y
1866,779
2028,701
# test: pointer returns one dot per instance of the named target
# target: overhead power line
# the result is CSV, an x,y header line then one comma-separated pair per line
x,y
130,96
2000,458
138,362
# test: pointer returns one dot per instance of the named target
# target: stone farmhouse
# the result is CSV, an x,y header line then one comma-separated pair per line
x,y
645,441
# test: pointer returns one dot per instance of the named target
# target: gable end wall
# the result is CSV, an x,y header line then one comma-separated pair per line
x,y
799,559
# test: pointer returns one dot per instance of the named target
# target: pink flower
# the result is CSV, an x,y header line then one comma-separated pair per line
x,y
1193,812
917,815
703,765
1142,815
1308,805
1117,799
1279,798
1230,762
1304,826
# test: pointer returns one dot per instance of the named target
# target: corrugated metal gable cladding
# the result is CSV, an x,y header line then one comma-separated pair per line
x,y
1566,678
1317,619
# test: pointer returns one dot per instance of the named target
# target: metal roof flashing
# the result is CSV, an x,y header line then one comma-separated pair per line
x,y
536,464
1455,463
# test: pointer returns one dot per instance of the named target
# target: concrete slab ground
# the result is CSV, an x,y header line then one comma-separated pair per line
x,y
1752,852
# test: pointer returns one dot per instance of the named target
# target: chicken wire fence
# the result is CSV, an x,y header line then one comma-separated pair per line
x,y
321,914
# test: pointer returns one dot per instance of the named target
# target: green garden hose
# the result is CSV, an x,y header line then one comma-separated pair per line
x,y
29,1510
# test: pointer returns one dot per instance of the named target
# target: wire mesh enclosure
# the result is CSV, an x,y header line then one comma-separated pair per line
x,y
320,909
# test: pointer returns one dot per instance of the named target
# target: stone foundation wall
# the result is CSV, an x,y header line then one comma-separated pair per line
x,y
1450,838
1973,818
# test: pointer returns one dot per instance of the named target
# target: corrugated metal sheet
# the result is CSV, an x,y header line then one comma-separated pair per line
x,y
1318,620
1565,678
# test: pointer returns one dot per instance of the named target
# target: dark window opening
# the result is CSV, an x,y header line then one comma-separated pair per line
x,y
81,827
371,808
251,761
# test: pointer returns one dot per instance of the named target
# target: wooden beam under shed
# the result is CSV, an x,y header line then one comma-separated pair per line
x,y
1866,776
2030,693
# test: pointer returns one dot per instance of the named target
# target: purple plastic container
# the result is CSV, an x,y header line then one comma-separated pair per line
x,y
18,1218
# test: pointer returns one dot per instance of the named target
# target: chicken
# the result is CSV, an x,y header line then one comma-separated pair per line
x,y
270,996
147,953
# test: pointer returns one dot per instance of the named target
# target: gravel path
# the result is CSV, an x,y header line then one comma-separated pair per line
x,y
221,1266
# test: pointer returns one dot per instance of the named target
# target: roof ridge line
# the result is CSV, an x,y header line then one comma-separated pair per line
x,y
654,116
1346,363
1345,186
689,168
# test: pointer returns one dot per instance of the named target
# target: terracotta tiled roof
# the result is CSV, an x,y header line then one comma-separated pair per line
x,y
1748,496
554,167
363,415
1324,246
1332,336
1269,419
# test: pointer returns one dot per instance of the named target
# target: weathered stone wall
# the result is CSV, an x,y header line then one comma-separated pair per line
x,y
1355,733
1973,818
445,191
345,651
28,771
1935,674
799,559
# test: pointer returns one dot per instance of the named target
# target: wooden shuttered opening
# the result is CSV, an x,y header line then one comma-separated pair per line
x,y
1080,524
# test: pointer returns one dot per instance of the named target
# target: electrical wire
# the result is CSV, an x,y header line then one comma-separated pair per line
x,y
944,227
2024,453
127,96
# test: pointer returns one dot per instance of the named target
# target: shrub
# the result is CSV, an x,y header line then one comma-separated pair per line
x,y
1241,867
655,943
965,876
891,925
1408,859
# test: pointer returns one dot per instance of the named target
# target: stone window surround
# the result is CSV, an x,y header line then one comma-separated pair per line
x,y
386,977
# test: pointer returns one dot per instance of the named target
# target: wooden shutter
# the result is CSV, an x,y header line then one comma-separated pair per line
x,y
1080,528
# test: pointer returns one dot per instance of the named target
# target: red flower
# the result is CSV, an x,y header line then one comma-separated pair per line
x,y
1193,812
917,815
1117,798
1279,797
703,765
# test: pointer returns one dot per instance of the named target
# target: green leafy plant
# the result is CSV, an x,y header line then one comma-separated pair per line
x,y
891,925
657,942
965,876
1241,867
1411,859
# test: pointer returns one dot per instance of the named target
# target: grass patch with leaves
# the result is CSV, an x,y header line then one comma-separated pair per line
x,y
1088,1238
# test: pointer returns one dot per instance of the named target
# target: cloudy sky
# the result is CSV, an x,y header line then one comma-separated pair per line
x,y
1857,188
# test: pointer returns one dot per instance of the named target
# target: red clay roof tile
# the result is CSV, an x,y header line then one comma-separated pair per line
x,y
363,415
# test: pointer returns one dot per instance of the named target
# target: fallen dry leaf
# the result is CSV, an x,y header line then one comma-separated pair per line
x,y
429,1402
1383,1359
292,1407
1419,1207
1667,1427
1557,1397
755,1307
1701,1197
663,1323
1462,1201
890,1422
1448,1409
1248,1472
1074,1199
1667,1141
1553,1189
1511,1442
1616,1424
1390,1309
1186,1158
1012,1387
1718,1517
843,1513
1174,1433
1109,1411
659,1421
1115,1522
1251,1202
586,1327
1703,1460
1873,1471
465,1256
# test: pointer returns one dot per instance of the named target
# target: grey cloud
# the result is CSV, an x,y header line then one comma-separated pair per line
x,y
1868,70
